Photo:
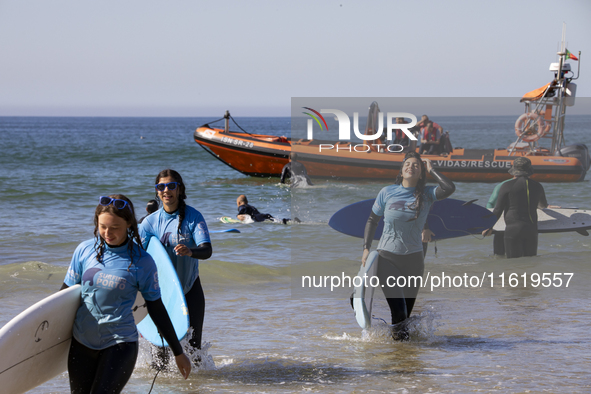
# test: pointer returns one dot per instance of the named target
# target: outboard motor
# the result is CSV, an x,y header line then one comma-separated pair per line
x,y
578,151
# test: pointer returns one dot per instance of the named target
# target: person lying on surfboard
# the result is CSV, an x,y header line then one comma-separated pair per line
x,y
405,206
112,268
247,211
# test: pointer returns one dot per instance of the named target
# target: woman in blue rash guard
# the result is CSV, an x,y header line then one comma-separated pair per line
x,y
405,207
183,232
111,268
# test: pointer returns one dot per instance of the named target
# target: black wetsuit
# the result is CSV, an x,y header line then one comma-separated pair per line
x,y
519,200
297,172
254,213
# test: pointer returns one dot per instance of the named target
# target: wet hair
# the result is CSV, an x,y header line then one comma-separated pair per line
x,y
127,214
242,198
168,173
420,187
152,206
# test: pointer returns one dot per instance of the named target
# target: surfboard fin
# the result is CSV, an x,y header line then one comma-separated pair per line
x,y
583,232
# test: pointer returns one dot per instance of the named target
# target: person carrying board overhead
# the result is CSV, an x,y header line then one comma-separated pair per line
x,y
405,206
112,268
519,200
183,232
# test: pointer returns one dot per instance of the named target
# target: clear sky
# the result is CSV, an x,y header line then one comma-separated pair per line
x,y
199,58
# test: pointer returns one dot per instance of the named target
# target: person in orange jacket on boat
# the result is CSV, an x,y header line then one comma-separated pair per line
x,y
430,139
423,123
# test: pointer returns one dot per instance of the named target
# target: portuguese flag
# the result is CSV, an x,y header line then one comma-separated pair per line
x,y
570,55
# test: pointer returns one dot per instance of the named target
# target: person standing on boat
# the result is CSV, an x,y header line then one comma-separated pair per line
x,y
104,345
296,171
405,206
519,200
183,232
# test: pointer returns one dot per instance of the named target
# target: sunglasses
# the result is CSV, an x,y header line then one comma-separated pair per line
x,y
170,185
117,203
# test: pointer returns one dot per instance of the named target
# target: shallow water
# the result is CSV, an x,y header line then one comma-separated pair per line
x,y
267,333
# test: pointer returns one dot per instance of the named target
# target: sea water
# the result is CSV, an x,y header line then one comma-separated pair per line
x,y
264,332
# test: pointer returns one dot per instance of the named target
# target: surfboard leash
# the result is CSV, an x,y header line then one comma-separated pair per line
x,y
162,350
448,229
379,318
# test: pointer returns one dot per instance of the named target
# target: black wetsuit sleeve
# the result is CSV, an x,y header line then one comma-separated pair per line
x,y
245,209
502,200
370,230
446,187
162,321
285,173
202,252
543,203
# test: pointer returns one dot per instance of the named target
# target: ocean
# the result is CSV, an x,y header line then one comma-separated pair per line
x,y
264,331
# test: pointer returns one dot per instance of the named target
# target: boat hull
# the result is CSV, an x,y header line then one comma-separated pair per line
x,y
263,155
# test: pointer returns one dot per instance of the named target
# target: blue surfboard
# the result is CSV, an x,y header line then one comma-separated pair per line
x,y
448,218
172,295
363,294
230,230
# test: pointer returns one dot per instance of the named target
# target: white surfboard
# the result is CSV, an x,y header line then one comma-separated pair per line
x,y
557,220
363,295
34,345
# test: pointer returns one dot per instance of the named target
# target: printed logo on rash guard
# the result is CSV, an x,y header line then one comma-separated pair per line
x,y
165,239
88,276
202,228
399,205
156,284
73,276
109,281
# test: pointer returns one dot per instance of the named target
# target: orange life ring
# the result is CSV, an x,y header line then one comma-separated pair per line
x,y
532,125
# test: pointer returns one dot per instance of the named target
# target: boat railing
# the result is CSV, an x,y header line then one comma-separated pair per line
x,y
551,106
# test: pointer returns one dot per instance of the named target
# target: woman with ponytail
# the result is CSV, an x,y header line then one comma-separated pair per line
x,y
111,268
405,207
183,232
